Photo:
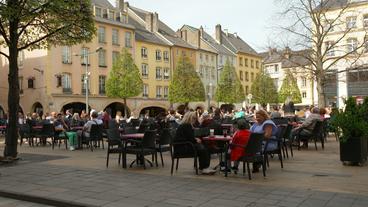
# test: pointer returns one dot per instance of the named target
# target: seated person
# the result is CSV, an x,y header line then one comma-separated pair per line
x,y
185,132
264,125
238,143
307,127
61,126
87,127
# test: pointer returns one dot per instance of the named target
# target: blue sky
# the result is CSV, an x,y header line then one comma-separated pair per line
x,y
251,19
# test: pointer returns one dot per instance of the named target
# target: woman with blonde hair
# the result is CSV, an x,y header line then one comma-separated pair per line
x,y
185,132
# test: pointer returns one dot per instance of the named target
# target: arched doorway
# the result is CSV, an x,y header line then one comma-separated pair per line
x,y
153,111
37,108
227,107
75,107
117,106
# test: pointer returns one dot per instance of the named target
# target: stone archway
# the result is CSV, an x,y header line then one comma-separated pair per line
x,y
153,111
75,107
37,108
114,107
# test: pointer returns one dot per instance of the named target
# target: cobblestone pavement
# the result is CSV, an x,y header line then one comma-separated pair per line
x,y
310,178
7,202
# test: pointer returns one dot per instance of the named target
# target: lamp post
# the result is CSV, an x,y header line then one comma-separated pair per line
x,y
85,56
209,97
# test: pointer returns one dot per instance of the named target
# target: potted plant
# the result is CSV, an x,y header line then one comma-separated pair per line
x,y
353,124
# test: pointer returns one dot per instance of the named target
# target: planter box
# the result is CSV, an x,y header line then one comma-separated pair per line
x,y
354,150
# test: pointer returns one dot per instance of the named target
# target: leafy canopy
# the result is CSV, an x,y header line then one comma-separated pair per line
x,y
289,88
229,89
264,90
124,80
185,86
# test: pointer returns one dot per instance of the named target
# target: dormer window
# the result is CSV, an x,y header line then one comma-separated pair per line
x,y
98,12
104,13
111,15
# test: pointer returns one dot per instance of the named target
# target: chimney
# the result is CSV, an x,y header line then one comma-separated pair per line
x,y
218,33
184,35
120,5
201,31
126,6
149,22
236,35
287,52
199,34
155,22
226,32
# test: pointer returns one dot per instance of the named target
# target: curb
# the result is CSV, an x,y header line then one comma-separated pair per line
x,y
42,200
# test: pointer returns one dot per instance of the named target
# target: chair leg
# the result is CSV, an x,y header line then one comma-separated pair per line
x,y
172,165
107,159
280,158
291,149
243,168
119,158
195,164
177,164
144,162
264,169
249,175
124,160
53,143
162,159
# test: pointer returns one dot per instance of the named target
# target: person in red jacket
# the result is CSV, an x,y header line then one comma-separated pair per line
x,y
238,143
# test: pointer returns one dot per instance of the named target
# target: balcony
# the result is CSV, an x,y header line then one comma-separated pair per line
x,y
67,90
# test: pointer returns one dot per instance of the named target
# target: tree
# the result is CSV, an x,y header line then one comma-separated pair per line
x,y
229,89
34,24
289,89
311,26
124,80
185,86
264,90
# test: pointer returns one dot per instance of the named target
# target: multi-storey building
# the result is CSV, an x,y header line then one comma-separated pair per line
x,y
248,61
276,63
206,59
349,76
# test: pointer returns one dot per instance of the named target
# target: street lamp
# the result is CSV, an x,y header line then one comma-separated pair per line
x,y
209,97
85,56
250,96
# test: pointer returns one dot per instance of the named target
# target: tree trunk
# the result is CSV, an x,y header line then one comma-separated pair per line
x,y
125,109
11,139
321,93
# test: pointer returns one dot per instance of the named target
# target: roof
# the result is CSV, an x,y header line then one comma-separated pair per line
x,y
236,44
164,30
142,34
334,4
220,49
295,58
113,22
103,4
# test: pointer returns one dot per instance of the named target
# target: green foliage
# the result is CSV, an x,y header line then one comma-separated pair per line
x,y
264,90
351,121
229,88
124,80
289,88
185,86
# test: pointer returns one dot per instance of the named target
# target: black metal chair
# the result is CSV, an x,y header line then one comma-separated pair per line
x,y
25,133
58,137
189,152
141,148
317,134
47,131
114,144
279,149
253,154
95,136
164,143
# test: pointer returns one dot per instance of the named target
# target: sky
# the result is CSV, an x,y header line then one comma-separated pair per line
x,y
252,20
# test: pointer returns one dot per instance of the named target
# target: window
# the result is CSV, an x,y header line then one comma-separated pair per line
x,y
98,12
252,77
352,44
212,58
115,56
304,94
252,63
166,56
158,73
102,58
276,68
241,61
365,20
351,22
221,59
84,56
20,85
166,73
166,91
329,49
145,90
66,83
111,14
158,55
276,82
183,53
101,34
20,58
115,37
201,56
101,84
158,91
144,70
246,76
144,52
104,13
304,82
128,39
257,64
246,62
241,75
213,73
206,58
67,55
31,82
